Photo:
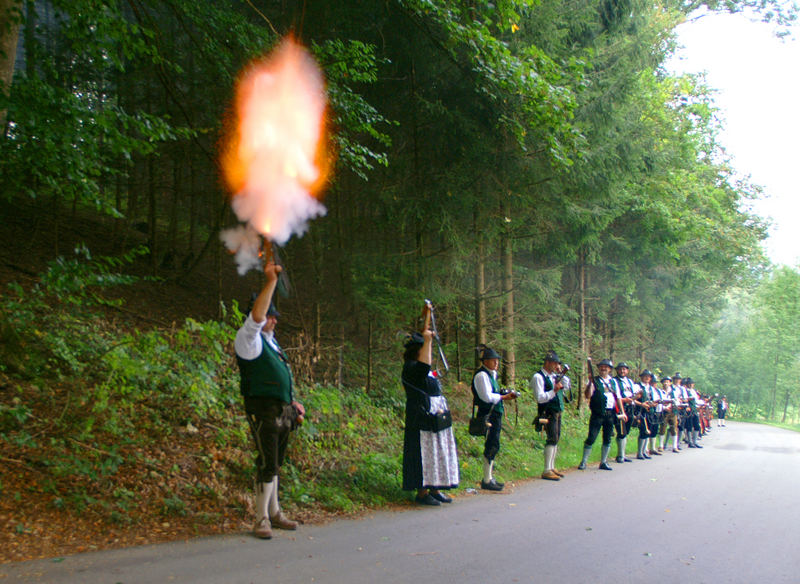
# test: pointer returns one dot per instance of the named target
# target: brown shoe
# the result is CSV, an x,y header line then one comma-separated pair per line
x,y
280,521
262,529
549,475
558,472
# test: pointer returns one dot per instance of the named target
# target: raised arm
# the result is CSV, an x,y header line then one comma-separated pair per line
x,y
261,305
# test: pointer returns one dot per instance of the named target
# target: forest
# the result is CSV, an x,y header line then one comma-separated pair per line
x,y
531,167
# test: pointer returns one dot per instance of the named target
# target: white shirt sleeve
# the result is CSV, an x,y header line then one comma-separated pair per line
x,y
537,384
248,342
484,388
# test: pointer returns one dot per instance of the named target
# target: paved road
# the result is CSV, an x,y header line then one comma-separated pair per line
x,y
726,513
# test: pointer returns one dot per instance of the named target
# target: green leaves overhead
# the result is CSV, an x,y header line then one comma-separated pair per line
x,y
546,133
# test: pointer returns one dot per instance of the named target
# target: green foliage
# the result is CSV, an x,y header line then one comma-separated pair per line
x,y
762,322
77,281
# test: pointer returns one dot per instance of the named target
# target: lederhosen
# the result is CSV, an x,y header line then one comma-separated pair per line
x,y
602,416
626,390
655,413
551,410
693,422
492,445
266,387
683,416
672,419
642,415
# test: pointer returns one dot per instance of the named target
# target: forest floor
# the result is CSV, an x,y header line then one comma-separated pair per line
x,y
36,519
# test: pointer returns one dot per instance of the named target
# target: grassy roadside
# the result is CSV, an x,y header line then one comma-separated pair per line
x,y
792,427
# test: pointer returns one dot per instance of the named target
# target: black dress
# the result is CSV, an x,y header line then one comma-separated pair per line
x,y
429,458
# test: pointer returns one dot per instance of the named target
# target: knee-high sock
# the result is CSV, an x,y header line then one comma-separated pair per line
x,y
549,456
555,454
623,446
487,470
675,442
587,450
604,453
274,507
620,447
263,498
662,440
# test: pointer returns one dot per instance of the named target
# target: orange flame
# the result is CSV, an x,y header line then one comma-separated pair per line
x,y
274,156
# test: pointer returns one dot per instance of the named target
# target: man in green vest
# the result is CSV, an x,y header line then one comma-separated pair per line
x,y
272,412
548,388
488,397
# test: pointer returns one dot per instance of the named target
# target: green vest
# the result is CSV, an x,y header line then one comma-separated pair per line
x,y
268,375
557,403
483,406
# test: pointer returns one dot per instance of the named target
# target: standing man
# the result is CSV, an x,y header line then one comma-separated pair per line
x,y
272,413
722,409
488,398
604,398
623,427
549,392
648,426
693,419
673,412
679,391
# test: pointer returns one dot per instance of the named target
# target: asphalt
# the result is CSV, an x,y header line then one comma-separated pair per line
x,y
726,513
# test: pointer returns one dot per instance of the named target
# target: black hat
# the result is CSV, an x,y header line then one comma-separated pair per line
x,y
552,356
607,363
488,353
677,376
413,339
688,381
663,379
272,311
622,364
646,372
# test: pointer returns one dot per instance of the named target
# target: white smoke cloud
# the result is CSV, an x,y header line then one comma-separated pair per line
x,y
245,243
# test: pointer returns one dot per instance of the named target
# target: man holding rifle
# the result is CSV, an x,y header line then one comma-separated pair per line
x,y
548,387
272,412
644,400
605,405
489,397
672,412
693,419
625,385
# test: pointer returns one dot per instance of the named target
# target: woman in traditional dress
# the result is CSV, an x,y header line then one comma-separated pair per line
x,y
430,460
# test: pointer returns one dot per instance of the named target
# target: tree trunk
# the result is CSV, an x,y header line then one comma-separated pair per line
x,y
458,348
369,356
480,289
340,370
774,388
152,219
509,352
786,403
11,15
582,328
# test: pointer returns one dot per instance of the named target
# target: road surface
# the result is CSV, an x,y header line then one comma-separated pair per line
x,y
728,513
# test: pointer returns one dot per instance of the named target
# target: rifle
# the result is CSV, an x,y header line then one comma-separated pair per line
x,y
542,419
642,415
562,375
429,316
619,409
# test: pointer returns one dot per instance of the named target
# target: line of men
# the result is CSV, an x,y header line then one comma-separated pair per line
x,y
673,411
617,405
